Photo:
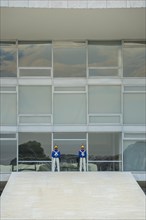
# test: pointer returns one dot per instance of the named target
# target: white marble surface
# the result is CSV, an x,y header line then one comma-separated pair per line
x,y
74,3
72,196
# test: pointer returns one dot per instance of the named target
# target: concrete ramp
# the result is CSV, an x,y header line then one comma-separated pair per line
x,y
72,196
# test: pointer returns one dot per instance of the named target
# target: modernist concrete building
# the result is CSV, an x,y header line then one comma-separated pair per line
x,y
73,72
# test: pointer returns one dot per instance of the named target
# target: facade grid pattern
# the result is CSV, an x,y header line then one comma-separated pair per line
x,y
63,102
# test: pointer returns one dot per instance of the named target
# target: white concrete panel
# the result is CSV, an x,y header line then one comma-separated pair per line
x,y
8,129
99,81
72,195
132,128
77,4
39,4
62,24
134,81
4,3
116,4
68,81
34,81
58,4
97,4
4,177
139,176
136,3
74,3
31,128
8,81
19,3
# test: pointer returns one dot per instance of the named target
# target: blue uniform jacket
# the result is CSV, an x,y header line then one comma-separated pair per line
x,y
56,154
82,154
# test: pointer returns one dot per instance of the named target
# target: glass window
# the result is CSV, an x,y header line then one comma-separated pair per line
x,y
34,166
70,108
135,135
8,152
135,88
35,72
69,59
35,99
134,155
134,108
35,119
105,166
104,119
69,135
104,99
104,146
8,60
103,54
103,72
35,54
134,58
69,145
7,135
34,147
134,43
8,88
8,103
71,88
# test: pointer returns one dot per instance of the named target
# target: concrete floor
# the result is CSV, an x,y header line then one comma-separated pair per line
x,y
72,196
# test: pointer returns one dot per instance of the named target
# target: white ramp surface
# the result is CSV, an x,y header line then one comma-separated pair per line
x,y
72,196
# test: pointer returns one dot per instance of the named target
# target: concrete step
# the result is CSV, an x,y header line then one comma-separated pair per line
x,y
72,196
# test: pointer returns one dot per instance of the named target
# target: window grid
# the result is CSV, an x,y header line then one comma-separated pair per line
x,y
86,83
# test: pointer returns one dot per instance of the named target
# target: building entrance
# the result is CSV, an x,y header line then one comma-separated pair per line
x,y
69,145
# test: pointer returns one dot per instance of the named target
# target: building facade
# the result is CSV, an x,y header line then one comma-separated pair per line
x,y
67,79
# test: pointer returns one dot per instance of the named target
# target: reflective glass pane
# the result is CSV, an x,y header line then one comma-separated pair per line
x,y
134,62
134,108
35,72
70,88
69,150
135,135
8,152
104,146
69,108
8,61
69,135
103,54
35,54
104,99
69,59
34,146
104,119
35,99
7,135
34,119
103,72
34,166
135,88
134,43
7,88
105,166
134,155
8,105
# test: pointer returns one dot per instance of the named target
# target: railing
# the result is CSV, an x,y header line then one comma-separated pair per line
x,y
74,3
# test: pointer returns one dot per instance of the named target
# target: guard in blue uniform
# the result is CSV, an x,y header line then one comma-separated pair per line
x,y
55,158
82,156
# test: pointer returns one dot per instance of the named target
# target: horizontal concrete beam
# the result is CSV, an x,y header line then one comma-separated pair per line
x,y
74,3
77,24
